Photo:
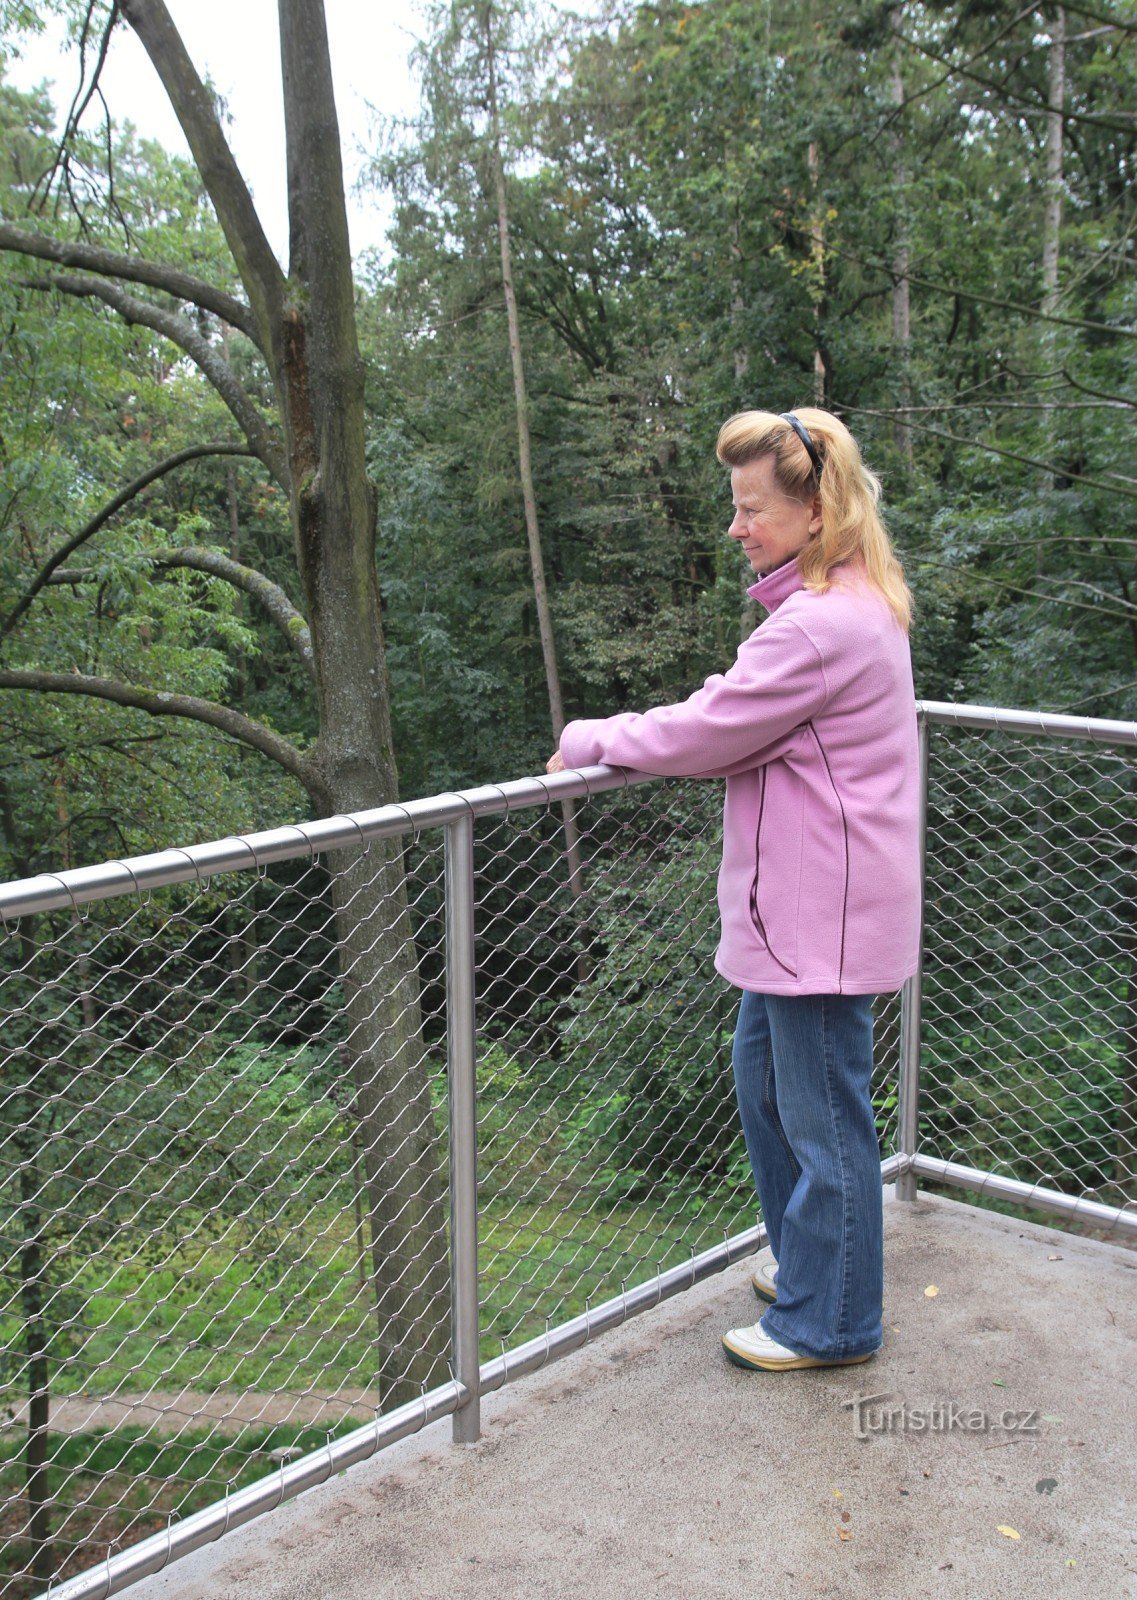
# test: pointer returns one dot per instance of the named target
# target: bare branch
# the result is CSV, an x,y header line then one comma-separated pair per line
x,y
160,703
102,516
1101,394
79,103
984,299
133,269
1017,588
1031,103
1053,468
180,331
121,745
268,595
1114,23
260,271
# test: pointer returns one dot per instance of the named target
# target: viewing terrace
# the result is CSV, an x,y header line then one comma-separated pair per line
x,y
291,1211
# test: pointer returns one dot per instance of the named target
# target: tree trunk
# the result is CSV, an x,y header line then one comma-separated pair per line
x,y
901,304
26,1136
738,304
35,1343
817,256
333,516
1052,221
1052,214
528,494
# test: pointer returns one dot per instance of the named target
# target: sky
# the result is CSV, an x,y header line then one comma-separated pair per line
x,y
235,42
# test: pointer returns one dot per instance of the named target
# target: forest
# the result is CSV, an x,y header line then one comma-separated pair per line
x,y
289,539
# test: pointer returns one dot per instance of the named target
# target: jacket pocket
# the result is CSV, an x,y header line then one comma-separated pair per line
x,y
773,907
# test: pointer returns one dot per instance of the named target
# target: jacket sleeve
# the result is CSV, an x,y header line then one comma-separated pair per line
x,y
735,721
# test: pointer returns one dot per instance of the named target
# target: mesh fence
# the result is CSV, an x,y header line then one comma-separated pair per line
x,y
222,1190
224,1159
609,1145
1029,1028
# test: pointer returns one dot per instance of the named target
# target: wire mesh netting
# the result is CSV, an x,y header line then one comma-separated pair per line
x,y
224,1159
222,1188
1029,1029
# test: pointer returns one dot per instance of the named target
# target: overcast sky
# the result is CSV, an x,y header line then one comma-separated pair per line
x,y
235,42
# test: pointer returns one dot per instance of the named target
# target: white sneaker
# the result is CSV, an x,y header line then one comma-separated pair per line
x,y
750,1347
765,1280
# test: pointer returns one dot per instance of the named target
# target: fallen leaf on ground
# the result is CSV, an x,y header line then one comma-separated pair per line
x,y
845,1517
999,1383
931,1291
1009,1532
844,1533
837,1495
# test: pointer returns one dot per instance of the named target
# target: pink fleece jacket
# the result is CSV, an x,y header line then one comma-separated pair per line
x,y
814,729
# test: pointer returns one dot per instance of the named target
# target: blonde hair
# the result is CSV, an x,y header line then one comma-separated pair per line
x,y
851,525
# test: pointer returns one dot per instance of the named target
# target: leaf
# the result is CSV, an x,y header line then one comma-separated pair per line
x,y
1007,1532
999,1383
931,1291
846,1533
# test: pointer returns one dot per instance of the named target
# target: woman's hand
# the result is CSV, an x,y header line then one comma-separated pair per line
x,y
555,763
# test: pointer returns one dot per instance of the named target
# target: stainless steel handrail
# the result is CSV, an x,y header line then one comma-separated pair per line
x,y
62,891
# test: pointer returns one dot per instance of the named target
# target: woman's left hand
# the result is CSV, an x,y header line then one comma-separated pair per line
x,y
555,763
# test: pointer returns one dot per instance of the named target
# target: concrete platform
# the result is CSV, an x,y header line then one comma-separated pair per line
x,y
1005,1405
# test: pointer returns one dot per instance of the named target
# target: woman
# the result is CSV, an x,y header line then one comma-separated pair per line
x,y
814,729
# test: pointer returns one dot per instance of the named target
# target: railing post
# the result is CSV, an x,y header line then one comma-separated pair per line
x,y
908,1087
461,1055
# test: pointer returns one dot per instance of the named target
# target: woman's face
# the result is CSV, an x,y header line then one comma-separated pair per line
x,y
769,525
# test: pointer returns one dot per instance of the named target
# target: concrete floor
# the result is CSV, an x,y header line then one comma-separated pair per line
x,y
646,1461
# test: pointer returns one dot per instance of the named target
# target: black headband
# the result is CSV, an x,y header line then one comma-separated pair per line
x,y
803,434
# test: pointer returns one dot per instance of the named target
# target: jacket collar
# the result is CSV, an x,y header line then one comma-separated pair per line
x,y
778,585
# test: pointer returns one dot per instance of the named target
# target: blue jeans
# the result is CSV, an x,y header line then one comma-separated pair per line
x,y
802,1070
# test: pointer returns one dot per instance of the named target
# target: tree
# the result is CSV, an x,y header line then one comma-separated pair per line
x,y
297,399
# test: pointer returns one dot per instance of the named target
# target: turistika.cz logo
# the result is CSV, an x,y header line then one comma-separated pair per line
x,y
880,1413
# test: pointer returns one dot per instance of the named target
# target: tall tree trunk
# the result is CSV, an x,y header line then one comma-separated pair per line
x,y
333,517
901,305
528,494
1052,212
738,303
304,324
239,677
25,1132
36,1345
817,255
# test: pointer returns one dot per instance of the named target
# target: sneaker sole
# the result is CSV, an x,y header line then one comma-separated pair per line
x,y
767,1295
757,1364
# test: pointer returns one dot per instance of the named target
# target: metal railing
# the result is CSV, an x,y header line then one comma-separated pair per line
x,y
254,1229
